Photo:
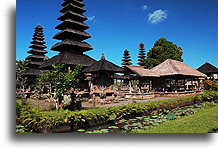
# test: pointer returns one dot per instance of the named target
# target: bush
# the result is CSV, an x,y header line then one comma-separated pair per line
x,y
46,121
215,85
210,85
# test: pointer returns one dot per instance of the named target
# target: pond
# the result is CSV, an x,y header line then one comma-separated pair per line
x,y
144,122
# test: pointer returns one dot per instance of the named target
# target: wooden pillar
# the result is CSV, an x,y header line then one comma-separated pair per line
x,y
199,84
130,87
176,84
68,69
149,85
192,83
195,84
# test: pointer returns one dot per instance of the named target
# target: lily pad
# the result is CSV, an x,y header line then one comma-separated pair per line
x,y
104,130
81,130
171,116
113,127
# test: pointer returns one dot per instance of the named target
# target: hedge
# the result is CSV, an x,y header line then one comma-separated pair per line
x,y
65,120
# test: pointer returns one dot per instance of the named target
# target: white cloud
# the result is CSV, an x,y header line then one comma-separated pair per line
x,y
144,7
157,16
91,18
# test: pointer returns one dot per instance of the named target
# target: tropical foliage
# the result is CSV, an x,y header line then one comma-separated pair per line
x,y
210,85
59,79
21,66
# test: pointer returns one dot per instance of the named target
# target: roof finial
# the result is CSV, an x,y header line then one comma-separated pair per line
x,y
102,56
141,45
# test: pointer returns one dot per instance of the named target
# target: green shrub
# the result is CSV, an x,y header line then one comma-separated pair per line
x,y
39,120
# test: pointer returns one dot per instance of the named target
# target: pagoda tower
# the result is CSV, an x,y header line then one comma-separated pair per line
x,y
126,58
72,35
37,52
141,54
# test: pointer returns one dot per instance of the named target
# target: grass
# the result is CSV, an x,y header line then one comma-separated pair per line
x,y
203,121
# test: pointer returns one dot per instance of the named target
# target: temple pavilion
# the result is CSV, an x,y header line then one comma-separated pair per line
x,y
210,70
72,35
142,75
174,75
103,72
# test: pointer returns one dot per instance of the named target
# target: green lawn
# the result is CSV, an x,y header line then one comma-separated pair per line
x,y
203,121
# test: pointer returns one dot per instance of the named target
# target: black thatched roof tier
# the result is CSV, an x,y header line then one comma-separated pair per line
x,y
141,57
72,15
126,63
103,65
72,7
38,35
69,23
126,60
37,46
34,64
76,34
72,45
43,57
38,38
35,41
208,68
142,54
75,2
69,59
37,51
31,72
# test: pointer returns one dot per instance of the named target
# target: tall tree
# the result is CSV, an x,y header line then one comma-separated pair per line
x,y
162,51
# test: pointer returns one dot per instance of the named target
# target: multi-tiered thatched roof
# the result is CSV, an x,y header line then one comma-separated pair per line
x,y
142,55
126,58
37,52
72,47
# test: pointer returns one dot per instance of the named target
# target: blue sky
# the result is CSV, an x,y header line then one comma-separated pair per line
x,y
116,25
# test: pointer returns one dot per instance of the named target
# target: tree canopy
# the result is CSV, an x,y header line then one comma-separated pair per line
x,y
59,78
21,65
162,51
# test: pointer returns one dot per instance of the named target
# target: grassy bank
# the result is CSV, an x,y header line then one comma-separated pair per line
x,y
203,121
50,121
